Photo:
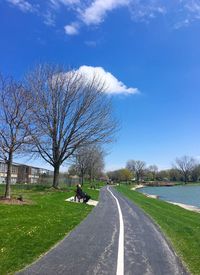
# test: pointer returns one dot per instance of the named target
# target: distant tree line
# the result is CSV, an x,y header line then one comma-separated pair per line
x,y
185,169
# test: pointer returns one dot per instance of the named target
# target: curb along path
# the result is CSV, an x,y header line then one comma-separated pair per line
x,y
116,238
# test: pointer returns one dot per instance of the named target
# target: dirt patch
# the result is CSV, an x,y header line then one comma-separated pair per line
x,y
14,201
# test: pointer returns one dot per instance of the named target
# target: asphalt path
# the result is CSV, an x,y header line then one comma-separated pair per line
x,y
116,238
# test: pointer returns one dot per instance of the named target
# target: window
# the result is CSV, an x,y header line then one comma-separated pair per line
x,y
3,167
14,169
34,171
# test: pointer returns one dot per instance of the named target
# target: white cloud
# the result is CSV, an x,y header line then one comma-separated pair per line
x,y
72,29
67,3
49,19
23,5
193,7
95,13
97,10
145,11
114,86
179,13
181,24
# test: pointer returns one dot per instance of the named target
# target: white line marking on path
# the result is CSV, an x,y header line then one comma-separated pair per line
x,y
120,257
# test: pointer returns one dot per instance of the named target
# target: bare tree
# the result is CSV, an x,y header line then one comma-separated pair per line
x,y
174,174
14,106
95,162
137,167
68,111
72,170
153,169
196,173
163,175
185,165
82,160
89,161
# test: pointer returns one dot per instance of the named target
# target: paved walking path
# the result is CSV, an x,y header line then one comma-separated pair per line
x,y
115,238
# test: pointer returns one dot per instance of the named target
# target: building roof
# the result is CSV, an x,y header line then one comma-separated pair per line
x,y
20,164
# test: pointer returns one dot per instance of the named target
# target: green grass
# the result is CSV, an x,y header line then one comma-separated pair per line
x,y
28,231
181,227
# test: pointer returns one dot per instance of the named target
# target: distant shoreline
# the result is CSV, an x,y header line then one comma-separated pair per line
x,y
137,187
186,206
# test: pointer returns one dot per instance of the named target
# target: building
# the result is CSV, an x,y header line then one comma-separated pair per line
x,y
22,173
28,174
3,172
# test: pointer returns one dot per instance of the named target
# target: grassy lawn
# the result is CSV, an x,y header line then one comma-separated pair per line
x,y
182,227
27,231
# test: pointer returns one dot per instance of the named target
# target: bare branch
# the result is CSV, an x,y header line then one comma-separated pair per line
x,y
68,112
14,133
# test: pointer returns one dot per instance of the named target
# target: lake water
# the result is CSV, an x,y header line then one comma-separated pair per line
x,y
181,194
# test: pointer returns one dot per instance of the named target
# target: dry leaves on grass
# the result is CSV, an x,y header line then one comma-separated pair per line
x,y
14,201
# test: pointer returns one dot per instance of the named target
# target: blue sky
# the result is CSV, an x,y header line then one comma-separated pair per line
x,y
151,50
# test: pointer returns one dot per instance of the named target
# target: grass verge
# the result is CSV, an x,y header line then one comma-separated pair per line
x,y
181,227
28,231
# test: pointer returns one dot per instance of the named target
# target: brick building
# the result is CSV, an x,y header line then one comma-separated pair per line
x,y
22,173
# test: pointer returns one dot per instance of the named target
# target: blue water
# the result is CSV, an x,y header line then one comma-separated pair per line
x,y
181,194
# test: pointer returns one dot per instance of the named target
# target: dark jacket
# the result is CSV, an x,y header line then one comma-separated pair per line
x,y
79,192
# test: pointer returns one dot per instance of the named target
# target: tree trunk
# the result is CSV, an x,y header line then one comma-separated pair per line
x,y
82,180
56,176
137,178
185,178
8,177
